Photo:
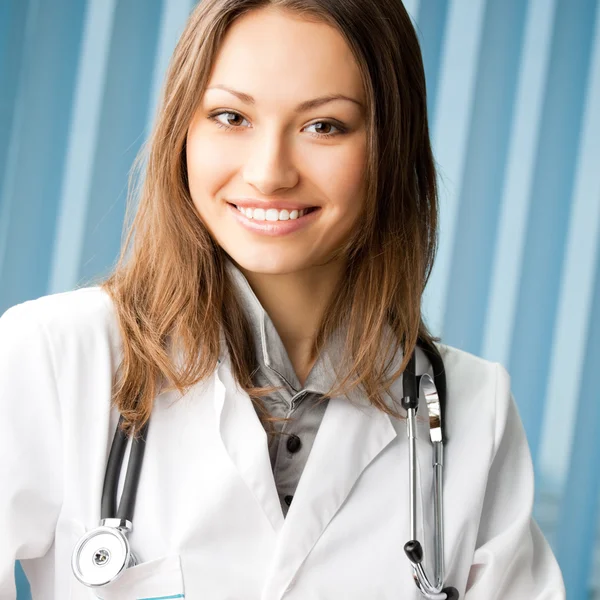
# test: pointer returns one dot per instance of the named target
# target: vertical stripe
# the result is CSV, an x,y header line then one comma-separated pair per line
x,y
433,15
123,127
13,19
525,132
15,103
484,171
173,19
83,136
570,451
449,139
576,289
553,181
33,181
578,517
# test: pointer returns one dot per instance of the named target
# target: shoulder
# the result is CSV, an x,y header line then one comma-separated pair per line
x,y
81,317
79,309
460,365
478,390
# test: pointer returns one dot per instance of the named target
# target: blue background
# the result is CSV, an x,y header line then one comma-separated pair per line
x,y
514,106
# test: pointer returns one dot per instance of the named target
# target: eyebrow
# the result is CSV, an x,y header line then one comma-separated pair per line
x,y
302,107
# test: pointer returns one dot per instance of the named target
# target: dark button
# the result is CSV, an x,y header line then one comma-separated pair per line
x,y
288,499
293,443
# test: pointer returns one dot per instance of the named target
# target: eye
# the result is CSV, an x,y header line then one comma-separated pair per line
x,y
227,124
328,125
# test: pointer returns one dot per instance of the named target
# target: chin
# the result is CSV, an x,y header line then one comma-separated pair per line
x,y
268,263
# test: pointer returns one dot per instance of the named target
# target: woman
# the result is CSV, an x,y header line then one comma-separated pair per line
x,y
255,333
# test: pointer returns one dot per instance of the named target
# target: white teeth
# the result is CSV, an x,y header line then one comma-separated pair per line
x,y
271,214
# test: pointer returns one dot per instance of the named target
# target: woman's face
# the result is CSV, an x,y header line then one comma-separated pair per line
x,y
252,145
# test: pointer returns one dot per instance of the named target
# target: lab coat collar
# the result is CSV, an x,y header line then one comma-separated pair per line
x,y
351,435
245,441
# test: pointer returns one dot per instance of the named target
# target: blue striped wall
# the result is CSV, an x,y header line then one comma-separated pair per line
x,y
514,105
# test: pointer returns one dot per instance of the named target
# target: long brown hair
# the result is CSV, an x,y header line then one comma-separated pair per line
x,y
174,302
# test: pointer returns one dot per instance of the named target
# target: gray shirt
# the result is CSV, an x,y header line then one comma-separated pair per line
x,y
288,451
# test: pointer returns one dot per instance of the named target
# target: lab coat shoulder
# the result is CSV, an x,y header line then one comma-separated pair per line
x,y
480,397
82,316
44,347
472,381
81,332
511,558
478,393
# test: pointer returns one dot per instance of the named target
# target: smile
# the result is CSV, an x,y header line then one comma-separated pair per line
x,y
273,222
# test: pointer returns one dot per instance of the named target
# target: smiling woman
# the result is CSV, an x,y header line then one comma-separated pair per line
x,y
267,156
266,314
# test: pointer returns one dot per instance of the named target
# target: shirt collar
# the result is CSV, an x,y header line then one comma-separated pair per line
x,y
269,349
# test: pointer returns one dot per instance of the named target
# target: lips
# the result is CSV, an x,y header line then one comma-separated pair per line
x,y
277,227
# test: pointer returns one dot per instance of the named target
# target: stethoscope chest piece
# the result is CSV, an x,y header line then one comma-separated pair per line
x,y
101,556
104,553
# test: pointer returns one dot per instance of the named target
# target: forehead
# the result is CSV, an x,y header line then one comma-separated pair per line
x,y
276,55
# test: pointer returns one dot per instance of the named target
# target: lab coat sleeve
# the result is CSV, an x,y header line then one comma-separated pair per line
x,y
30,443
512,559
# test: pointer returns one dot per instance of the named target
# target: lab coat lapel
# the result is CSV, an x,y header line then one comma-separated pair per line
x,y
349,439
245,440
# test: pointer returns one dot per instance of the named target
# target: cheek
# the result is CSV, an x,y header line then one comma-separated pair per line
x,y
342,179
208,166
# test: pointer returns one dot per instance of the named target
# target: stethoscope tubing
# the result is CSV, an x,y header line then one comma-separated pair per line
x,y
114,465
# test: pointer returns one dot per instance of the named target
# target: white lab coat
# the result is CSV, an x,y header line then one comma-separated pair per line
x,y
208,523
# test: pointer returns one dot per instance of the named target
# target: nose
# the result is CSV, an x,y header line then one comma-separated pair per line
x,y
269,167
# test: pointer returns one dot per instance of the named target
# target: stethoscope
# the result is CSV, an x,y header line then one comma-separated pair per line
x,y
104,553
433,390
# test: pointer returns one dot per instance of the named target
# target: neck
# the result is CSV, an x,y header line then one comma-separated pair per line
x,y
296,303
